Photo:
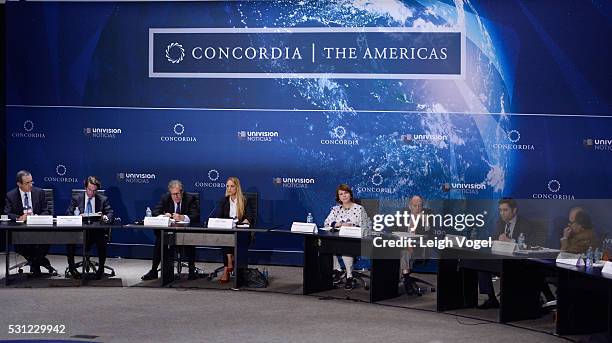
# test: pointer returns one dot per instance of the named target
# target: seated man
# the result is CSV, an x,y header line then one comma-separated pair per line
x,y
579,235
179,206
89,202
21,202
420,227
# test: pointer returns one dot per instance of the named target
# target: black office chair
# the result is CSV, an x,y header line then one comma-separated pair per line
x,y
252,198
418,286
51,208
180,255
92,266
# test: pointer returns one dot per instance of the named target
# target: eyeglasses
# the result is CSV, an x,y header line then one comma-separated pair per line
x,y
176,194
27,183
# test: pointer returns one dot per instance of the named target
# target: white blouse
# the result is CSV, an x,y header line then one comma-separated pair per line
x,y
355,215
233,208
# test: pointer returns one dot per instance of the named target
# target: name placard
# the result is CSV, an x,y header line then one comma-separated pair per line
x,y
503,247
39,220
157,221
304,227
69,221
350,231
569,258
220,223
607,268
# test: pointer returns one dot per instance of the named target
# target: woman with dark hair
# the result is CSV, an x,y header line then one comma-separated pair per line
x,y
236,206
579,235
346,213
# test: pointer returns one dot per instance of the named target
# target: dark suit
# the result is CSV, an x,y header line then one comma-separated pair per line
x,y
189,207
34,253
101,204
223,212
407,257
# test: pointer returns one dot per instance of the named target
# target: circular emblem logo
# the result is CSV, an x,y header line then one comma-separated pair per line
x,y
213,175
179,129
514,136
339,132
554,186
377,179
175,52
60,170
28,125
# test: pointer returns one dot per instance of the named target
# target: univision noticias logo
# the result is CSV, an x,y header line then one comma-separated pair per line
x,y
554,187
598,144
98,132
464,188
375,185
60,175
178,130
212,180
28,131
338,136
293,182
129,177
257,136
410,138
513,137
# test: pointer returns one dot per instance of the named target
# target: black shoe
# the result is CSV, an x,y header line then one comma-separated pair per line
x,y
337,276
74,273
349,283
35,270
489,303
151,275
406,279
192,275
99,274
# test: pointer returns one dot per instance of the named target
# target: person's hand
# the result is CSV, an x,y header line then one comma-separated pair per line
x,y
504,238
105,218
178,217
245,221
567,232
167,215
347,224
23,217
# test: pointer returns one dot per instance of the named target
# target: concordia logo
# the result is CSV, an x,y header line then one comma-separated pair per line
x,y
175,53
513,136
554,186
97,132
598,144
213,180
293,182
60,171
28,128
135,177
257,136
376,180
179,130
464,188
337,137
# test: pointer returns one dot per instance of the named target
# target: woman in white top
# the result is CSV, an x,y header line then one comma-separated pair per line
x,y
347,213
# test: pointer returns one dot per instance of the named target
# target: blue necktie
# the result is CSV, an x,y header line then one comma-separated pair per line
x,y
178,208
26,201
88,209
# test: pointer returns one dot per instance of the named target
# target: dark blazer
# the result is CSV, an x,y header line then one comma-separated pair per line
x,y
522,225
101,204
190,207
14,206
224,209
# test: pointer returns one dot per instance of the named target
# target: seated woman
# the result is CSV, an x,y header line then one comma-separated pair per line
x,y
236,206
347,213
579,235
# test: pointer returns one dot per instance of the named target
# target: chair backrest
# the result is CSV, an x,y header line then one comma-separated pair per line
x,y
196,195
253,198
49,199
370,206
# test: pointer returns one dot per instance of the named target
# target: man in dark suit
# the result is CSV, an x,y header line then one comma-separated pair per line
x,y
179,206
21,202
89,202
420,225
507,229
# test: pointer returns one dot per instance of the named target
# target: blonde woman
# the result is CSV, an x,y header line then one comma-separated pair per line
x,y
234,205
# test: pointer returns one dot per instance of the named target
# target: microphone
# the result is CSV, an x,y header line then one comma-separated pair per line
x,y
210,214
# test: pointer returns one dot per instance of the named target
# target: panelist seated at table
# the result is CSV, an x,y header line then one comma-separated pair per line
x,y
579,234
420,226
182,207
346,213
236,206
90,202
24,201
507,229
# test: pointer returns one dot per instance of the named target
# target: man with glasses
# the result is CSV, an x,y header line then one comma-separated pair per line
x,y
24,201
91,202
181,207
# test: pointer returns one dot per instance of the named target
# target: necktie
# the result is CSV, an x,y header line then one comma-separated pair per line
x,y
508,230
26,201
88,209
178,208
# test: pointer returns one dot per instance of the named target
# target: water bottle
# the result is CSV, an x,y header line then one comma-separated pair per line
x,y
521,241
265,273
77,212
148,212
309,218
589,257
597,255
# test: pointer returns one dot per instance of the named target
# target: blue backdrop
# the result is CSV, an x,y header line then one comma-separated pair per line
x,y
529,116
